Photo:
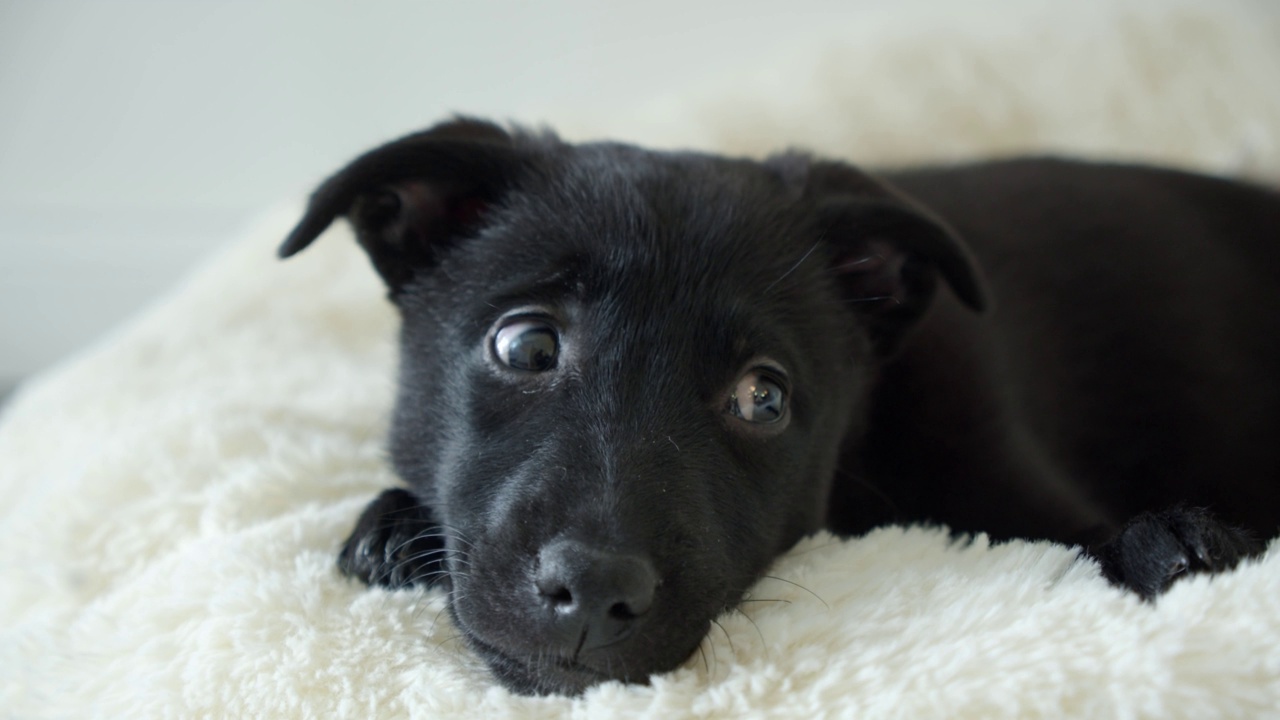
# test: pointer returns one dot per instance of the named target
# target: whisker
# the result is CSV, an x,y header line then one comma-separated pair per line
x,y
792,269
715,657
407,509
415,538
763,644
854,263
845,266
870,487
732,649
451,638
873,299
427,553
775,577
426,579
456,533
397,565
421,607
436,619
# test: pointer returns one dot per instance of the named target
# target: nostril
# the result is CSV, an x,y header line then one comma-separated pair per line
x,y
552,587
561,598
622,611
600,592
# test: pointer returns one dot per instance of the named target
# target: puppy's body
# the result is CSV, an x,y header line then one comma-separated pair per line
x,y
1128,364
630,379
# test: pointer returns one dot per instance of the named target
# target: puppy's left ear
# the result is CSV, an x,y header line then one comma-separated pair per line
x,y
887,250
410,200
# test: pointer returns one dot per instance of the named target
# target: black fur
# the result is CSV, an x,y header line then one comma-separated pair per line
x,y
596,340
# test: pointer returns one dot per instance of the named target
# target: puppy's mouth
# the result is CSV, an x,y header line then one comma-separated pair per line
x,y
540,674
577,616
550,672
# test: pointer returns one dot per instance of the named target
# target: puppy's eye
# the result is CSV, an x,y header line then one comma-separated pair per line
x,y
527,344
758,398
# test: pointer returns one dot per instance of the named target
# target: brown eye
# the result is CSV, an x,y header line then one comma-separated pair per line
x,y
527,344
758,398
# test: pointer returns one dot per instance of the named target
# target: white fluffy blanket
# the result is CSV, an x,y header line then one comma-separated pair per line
x,y
172,500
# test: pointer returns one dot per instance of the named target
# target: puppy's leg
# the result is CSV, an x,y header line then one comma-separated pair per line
x,y
396,543
1156,548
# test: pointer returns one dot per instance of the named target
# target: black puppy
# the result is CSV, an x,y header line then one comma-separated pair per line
x,y
630,379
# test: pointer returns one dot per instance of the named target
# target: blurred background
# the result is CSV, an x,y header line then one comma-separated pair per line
x,y
137,136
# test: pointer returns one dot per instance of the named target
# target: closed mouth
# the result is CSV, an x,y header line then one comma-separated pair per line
x,y
539,674
525,666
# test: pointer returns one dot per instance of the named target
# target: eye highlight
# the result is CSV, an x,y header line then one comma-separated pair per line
x,y
525,343
758,398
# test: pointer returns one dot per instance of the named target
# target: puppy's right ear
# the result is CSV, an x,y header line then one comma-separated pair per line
x,y
413,198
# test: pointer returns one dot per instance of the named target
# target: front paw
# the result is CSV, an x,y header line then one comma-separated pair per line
x,y
397,543
1155,549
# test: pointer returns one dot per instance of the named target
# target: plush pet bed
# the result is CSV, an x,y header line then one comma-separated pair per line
x,y
171,501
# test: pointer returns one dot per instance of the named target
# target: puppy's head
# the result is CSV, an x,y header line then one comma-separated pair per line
x,y
625,375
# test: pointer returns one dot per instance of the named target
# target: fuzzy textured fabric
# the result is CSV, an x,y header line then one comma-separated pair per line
x,y
171,501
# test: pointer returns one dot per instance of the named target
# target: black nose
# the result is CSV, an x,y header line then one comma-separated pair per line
x,y
595,595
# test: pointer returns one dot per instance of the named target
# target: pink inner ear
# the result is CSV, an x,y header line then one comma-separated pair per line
x,y
427,212
467,210
873,273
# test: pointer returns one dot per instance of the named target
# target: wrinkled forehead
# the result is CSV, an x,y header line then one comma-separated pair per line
x,y
626,217
687,252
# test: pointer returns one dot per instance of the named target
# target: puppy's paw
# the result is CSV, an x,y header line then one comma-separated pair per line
x,y
396,543
1155,549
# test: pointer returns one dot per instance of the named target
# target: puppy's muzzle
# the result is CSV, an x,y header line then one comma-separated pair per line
x,y
591,598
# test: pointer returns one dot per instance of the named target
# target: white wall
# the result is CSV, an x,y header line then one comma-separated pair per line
x,y
136,135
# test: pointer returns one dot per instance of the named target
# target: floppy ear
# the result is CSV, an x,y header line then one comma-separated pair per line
x,y
412,198
887,250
